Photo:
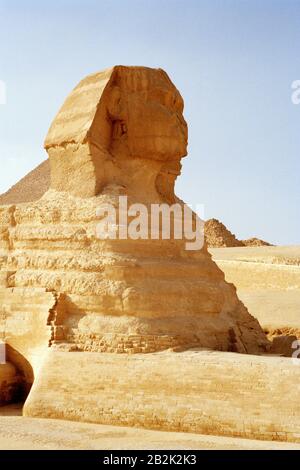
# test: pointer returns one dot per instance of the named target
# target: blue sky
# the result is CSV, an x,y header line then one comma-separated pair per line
x,y
233,61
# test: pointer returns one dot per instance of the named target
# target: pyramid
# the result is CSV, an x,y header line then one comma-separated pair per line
x,y
30,188
218,236
255,242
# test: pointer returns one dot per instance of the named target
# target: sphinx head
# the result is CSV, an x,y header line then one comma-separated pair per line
x,y
119,126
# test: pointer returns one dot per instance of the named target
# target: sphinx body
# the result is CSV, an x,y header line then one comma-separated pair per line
x,y
120,132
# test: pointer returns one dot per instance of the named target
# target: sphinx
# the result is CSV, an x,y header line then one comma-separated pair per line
x,y
120,132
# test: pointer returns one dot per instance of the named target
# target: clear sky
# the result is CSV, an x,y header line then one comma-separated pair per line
x,y
233,61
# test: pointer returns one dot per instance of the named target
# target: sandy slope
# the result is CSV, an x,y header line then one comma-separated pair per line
x,y
21,433
268,282
267,254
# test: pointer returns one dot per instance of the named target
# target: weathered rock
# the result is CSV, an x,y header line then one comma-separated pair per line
x,y
123,126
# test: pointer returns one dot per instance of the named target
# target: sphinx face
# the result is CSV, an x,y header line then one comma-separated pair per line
x,y
121,126
146,111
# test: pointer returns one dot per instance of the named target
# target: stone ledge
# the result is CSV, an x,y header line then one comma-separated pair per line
x,y
201,392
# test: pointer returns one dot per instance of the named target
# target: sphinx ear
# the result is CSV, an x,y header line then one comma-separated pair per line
x,y
116,109
108,109
116,105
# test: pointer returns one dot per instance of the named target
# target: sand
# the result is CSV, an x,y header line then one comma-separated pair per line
x,y
19,433
267,254
268,282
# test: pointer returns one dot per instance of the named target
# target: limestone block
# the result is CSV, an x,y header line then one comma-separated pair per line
x,y
197,391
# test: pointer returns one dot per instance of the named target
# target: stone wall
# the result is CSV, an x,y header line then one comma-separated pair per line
x,y
201,392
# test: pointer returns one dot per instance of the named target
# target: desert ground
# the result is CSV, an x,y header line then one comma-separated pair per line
x,y
268,282
20,433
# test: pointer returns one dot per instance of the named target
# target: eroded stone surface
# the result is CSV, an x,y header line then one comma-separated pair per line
x,y
227,394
